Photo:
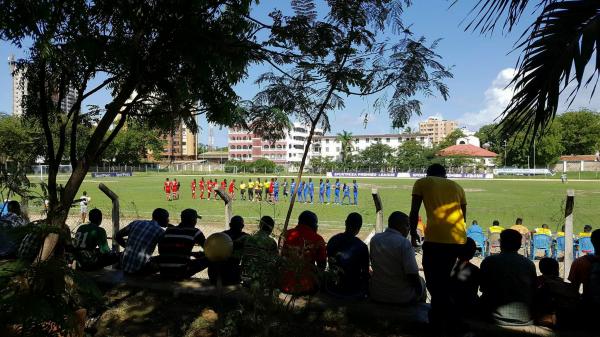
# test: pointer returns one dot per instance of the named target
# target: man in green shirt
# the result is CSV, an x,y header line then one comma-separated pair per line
x,y
91,246
259,256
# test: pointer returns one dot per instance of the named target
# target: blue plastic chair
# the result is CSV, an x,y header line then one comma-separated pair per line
x,y
585,246
479,239
541,242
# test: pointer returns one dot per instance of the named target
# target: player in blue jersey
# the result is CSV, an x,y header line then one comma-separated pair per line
x,y
346,189
276,190
300,191
337,191
305,192
355,190
311,190
321,191
328,190
292,188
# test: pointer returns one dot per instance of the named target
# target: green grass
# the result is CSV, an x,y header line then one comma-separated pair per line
x,y
536,201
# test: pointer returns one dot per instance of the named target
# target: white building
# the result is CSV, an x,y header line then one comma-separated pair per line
x,y
332,148
244,145
471,140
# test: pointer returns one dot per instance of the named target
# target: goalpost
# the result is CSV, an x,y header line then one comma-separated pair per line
x,y
42,170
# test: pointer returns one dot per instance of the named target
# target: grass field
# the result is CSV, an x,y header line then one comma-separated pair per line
x,y
536,201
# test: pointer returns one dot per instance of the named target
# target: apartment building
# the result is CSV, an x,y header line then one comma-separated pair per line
x,y
331,147
180,144
437,128
246,146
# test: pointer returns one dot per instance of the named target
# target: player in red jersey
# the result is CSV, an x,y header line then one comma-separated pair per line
x,y
201,186
232,189
194,189
209,186
167,188
175,189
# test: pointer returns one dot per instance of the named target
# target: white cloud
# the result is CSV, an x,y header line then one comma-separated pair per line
x,y
497,97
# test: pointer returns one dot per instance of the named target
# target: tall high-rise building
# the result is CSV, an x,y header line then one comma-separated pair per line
x,y
19,90
437,128
180,144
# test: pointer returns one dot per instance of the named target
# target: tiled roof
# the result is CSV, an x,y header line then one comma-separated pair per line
x,y
585,157
466,150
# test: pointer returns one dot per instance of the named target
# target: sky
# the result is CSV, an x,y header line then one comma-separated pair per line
x,y
482,67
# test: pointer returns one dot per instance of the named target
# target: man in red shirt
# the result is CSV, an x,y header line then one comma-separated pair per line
x,y
167,189
585,271
232,189
304,255
209,186
201,186
194,189
175,189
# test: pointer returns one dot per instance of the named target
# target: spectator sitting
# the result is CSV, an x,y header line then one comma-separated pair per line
x,y
587,231
142,238
508,283
495,228
555,300
175,248
395,271
474,228
259,255
350,256
464,280
90,245
585,271
518,226
9,241
545,229
229,270
304,255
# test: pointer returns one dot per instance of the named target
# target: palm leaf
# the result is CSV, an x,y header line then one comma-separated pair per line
x,y
565,36
487,13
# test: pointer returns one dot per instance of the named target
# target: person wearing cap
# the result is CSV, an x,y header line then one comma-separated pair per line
x,y
175,248
259,253
139,239
230,270
304,254
349,256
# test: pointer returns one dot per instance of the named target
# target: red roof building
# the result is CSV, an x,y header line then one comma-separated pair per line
x,y
466,150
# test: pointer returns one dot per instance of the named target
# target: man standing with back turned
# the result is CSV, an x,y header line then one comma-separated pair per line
x,y
446,207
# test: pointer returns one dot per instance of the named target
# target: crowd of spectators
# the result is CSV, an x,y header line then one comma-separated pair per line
x,y
505,289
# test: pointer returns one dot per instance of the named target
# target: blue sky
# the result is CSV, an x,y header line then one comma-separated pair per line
x,y
482,67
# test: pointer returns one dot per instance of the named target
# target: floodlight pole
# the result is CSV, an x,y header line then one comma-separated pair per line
x,y
569,231
115,213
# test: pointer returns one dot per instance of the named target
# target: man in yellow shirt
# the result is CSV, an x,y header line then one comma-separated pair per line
x,y
495,228
257,190
518,226
587,232
250,190
543,230
243,190
445,235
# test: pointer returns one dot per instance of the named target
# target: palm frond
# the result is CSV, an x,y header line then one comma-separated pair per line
x,y
488,13
565,36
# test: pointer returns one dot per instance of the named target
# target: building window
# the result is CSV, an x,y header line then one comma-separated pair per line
x,y
326,149
367,140
290,155
337,149
265,147
326,141
387,140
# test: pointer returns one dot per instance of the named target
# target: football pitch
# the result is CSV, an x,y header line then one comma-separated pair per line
x,y
537,201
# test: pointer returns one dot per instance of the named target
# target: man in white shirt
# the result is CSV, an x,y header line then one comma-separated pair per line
x,y
395,276
83,206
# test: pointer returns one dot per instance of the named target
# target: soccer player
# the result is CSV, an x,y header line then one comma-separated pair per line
x,y
285,186
209,187
167,189
311,189
257,190
305,193
300,191
276,190
194,189
328,190
355,190
321,191
250,189
201,187
292,187
337,192
232,189
272,190
346,190
267,188
215,187
243,190
175,189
